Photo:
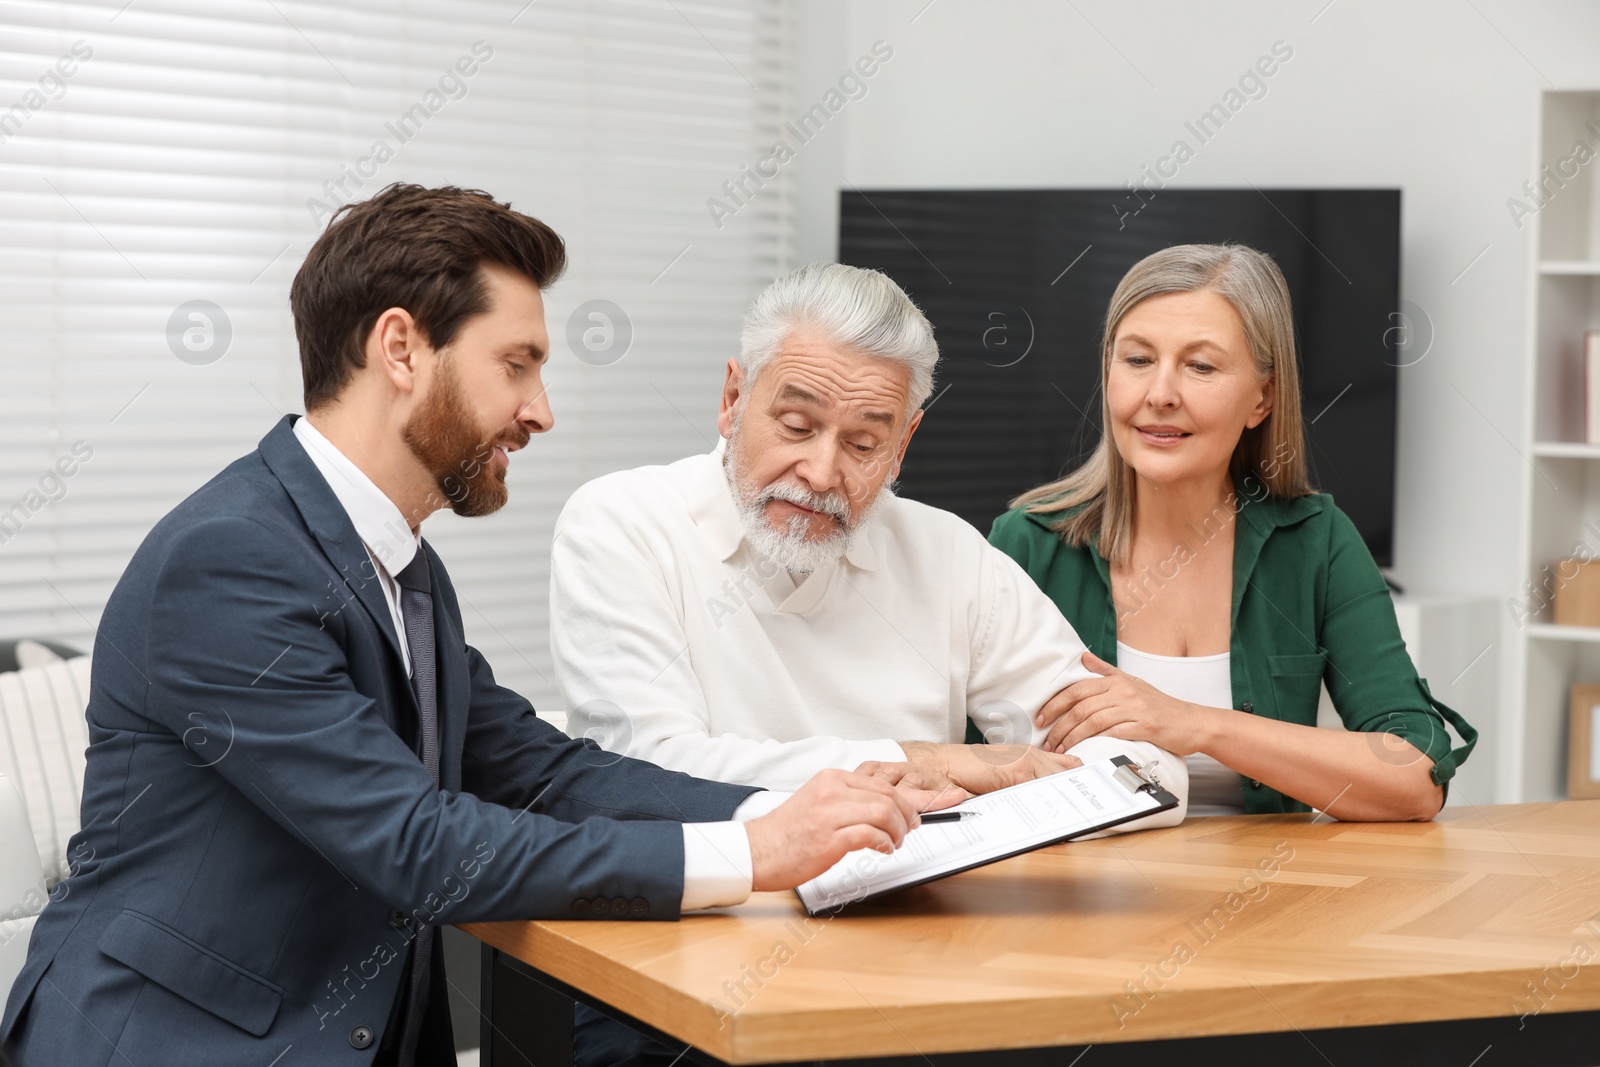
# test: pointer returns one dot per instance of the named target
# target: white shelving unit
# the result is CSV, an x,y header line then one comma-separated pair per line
x,y
1562,501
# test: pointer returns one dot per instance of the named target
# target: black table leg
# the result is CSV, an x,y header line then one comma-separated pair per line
x,y
525,1023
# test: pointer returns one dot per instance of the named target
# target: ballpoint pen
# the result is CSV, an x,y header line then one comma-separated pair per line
x,y
949,816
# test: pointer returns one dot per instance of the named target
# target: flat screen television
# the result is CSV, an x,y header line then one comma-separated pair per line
x,y
1016,283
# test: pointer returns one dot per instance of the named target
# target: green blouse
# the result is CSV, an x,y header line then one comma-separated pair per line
x,y
1309,607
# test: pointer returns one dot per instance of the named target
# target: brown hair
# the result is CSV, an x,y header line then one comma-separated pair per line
x,y
414,248
1101,491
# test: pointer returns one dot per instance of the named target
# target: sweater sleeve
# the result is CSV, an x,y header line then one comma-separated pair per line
x,y
1025,651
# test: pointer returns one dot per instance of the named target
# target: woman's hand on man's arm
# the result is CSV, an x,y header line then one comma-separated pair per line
x,y
1116,704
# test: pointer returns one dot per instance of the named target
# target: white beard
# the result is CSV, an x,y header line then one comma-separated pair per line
x,y
791,547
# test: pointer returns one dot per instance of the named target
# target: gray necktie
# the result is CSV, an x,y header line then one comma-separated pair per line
x,y
416,608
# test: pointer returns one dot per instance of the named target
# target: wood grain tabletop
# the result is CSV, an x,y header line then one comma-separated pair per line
x,y
1231,925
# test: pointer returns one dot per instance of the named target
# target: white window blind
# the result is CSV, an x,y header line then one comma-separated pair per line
x,y
182,159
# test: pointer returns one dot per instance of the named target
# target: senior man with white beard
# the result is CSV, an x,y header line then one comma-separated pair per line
x,y
772,608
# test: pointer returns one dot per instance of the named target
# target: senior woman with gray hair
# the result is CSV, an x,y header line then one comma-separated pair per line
x,y
1216,588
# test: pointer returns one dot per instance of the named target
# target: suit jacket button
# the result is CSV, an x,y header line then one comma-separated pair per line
x,y
580,906
398,919
1255,784
640,905
1247,707
361,1037
619,906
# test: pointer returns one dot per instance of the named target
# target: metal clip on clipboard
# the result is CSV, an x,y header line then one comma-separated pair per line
x,y
1138,778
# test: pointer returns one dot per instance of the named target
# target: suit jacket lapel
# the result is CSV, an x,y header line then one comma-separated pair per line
x,y
325,517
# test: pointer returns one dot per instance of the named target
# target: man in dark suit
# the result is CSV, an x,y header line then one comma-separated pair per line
x,y
298,769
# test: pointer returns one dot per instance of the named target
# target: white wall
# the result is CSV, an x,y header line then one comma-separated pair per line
x,y
1439,98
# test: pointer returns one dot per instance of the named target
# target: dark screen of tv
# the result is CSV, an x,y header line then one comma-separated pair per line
x,y
1016,283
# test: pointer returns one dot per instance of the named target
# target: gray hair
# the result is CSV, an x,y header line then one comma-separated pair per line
x,y
1273,454
862,310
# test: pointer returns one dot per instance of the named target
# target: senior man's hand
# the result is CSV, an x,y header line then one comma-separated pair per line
x,y
949,774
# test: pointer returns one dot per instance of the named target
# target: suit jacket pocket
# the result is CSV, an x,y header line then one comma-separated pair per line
x,y
1297,685
192,971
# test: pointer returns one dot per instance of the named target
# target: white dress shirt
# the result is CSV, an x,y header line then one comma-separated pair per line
x,y
675,643
716,856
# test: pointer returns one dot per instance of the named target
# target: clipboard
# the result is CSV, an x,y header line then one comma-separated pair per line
x,y
999,825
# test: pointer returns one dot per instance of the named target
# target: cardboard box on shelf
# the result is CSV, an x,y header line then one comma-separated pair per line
x,y
1578,596
1583,744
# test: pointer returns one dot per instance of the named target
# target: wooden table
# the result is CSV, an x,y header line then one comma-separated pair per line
x,y
1283,935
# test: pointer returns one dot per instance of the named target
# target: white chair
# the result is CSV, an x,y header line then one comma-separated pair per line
x,y
22,889
43,735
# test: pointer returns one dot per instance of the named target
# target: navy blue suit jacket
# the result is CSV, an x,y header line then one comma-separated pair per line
x,y
259,840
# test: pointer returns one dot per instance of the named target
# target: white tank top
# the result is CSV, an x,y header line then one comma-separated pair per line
x,y
1203,680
